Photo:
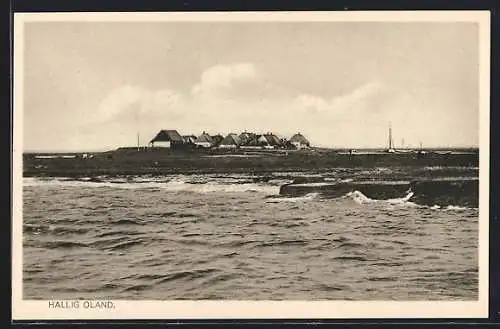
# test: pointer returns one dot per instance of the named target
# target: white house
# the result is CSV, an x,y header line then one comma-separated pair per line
x,y
299,141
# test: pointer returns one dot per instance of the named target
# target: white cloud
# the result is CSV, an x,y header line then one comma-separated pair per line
x,y
222,76
357,99
220,103
312,103
120,100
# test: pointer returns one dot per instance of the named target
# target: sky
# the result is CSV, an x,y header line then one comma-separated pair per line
x,y
91,86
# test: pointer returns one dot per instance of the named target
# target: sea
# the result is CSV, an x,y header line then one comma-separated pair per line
x,y
234,237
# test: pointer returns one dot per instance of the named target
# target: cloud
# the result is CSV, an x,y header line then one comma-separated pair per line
x,y
124,99
132,102
224,78
232,98
363,97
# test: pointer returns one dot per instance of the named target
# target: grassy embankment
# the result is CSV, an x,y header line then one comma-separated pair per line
x,y
130,161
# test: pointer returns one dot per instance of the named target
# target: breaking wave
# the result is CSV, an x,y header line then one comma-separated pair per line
x,y
220,187
309,196
360,198
442,193
226,185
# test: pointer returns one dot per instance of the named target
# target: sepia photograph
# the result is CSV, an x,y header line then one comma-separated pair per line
x,y
285,158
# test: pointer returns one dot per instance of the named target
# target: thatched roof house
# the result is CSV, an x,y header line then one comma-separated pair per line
x,y
204,140
299,141
272,140
261,141
230,141
167,138
245,137
268,140
217,139
189,139
252,143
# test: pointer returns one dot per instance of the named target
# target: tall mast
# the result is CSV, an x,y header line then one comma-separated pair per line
x,y
138,128
390,136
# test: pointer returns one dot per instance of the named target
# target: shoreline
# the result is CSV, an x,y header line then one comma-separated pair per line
x,y
134,162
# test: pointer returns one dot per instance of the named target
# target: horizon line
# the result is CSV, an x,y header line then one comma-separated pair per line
x,y
447,147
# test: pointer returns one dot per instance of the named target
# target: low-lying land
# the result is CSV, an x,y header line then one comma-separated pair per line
x,y
131,161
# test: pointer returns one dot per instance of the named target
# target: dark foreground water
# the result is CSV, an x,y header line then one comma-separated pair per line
x,y
234,237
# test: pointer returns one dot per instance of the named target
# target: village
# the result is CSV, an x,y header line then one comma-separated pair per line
x,y
171,139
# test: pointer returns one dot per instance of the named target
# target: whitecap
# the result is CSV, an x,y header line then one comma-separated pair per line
x,y
178,184
459,208
360,198
308,196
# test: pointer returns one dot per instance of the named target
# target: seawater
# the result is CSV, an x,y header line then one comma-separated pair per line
x,y
233,237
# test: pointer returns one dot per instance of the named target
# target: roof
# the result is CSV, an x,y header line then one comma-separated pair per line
x,y
253,141
231,139
246,136
189,138
272,140
205,138
167,136
299,138
217,139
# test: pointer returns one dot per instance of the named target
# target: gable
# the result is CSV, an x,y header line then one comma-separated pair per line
x,y
168,136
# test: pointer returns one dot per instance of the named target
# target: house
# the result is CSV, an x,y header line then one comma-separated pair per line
x,y
230,141
253,143
217,139
269,141
263,142
245,137
168,139
273,140
189,139
299,141
204,140
286,144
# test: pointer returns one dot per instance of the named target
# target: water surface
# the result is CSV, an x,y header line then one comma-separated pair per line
x,y
233,237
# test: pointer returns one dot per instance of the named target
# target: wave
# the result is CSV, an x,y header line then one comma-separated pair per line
x,y
442,191
434,193
360,198
63,244
55,156
186,275
297,174
309,196
178,184
459,208
438,168
221,187
338,180
451,208
279,182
